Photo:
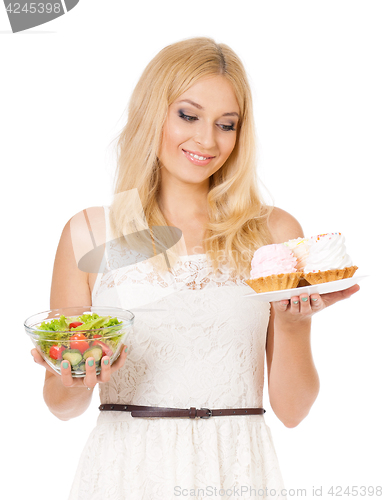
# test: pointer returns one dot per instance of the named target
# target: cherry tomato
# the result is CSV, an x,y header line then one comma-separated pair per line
x,y
75,324
107,351
55,352
97,336
78,341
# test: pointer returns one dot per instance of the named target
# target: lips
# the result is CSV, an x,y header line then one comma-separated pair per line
x,y
197,155
194,157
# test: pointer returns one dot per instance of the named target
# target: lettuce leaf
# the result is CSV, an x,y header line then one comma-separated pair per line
x,y
93,321
55,325
90,321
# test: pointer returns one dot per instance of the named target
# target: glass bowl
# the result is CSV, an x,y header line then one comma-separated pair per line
x,y
74,344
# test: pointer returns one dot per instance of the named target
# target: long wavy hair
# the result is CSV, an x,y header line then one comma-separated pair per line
x,y
237,216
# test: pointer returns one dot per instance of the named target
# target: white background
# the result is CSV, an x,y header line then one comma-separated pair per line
x,y
316,70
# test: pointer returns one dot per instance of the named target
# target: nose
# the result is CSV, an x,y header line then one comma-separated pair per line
x,y
205,137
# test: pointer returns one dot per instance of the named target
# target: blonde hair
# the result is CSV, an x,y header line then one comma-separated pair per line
x,y
237,217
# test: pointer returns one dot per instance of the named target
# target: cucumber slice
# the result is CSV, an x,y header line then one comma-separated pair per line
x,y
74,356
96,352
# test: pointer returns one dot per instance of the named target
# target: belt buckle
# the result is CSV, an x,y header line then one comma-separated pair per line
x,y
209,413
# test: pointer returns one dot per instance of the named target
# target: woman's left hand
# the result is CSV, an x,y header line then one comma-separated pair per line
x,y
303,306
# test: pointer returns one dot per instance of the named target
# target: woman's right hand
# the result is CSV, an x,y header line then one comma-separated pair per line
x,y
90,379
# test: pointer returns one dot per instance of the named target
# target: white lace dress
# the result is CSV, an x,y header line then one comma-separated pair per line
x,y
203,345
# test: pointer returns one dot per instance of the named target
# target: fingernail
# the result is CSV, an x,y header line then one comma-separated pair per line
x,y
106,361
314,300
90,362
296,302
126,349
304,299
65,365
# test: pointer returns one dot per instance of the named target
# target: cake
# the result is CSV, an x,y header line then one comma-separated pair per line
x,y
300,249
327,259
273,267
300,262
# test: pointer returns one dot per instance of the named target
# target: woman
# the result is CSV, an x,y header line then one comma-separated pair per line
x,y
188,152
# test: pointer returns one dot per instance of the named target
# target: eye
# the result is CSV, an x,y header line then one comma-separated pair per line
x,y
187,118
228,128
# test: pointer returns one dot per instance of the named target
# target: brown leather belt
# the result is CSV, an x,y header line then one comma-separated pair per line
x,y
158,411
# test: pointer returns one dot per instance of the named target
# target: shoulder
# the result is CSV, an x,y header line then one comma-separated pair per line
x,y
81,234
90,220
283,226
70,281
95,215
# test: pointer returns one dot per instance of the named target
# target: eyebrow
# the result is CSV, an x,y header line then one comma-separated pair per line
x,y
201,107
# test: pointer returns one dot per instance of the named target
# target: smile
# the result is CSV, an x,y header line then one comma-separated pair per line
x,y
197,159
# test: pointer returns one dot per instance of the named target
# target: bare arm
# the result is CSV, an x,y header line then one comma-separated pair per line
x,y
65,396
69,288
293,382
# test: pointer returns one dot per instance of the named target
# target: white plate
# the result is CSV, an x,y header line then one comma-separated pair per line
x,y
331,286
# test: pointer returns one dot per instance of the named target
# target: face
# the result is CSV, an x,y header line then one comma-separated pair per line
x,y
199,132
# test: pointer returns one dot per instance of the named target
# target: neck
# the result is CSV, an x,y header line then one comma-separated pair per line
x,y
183,202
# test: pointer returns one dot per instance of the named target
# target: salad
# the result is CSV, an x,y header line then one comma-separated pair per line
x,y
77,338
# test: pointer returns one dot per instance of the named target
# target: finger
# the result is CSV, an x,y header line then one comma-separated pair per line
x,y
333,297
119,362
281,305
305,305
66,375
90,379
295,305
348,292
316,302
37,356
38,359
105,373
